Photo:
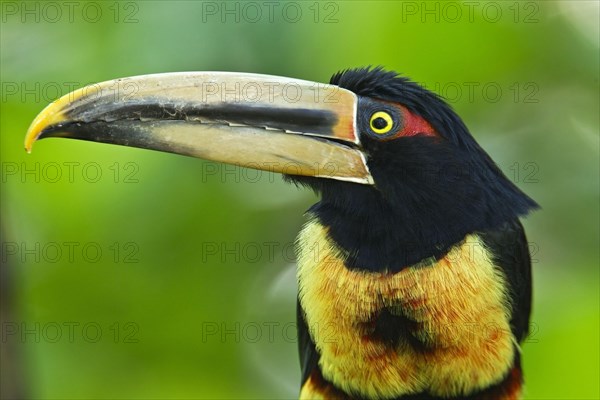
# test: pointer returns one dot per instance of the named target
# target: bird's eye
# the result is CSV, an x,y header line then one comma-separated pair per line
x,y
381,122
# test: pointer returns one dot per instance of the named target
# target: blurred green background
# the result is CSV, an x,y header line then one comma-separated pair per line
x,y
136,274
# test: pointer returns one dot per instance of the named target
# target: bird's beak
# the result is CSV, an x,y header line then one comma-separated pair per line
x,y
264,122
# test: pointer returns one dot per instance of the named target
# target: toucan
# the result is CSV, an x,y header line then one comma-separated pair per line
x,y
414,274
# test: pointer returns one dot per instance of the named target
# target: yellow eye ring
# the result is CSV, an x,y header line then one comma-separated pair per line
x,y
381,122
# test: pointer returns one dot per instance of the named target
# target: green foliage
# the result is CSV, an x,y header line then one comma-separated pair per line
x,y
193,294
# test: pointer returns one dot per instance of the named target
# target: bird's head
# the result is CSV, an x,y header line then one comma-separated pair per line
x,y
400,176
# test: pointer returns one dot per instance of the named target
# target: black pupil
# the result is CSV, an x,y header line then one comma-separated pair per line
x,y
379,123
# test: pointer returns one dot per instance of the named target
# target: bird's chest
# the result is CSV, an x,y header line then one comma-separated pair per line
x,y
442,328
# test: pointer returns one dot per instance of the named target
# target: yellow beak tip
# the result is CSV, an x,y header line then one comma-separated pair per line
x,y
32,135
51,115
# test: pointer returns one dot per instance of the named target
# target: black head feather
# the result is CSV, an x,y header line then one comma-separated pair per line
x,y
429,192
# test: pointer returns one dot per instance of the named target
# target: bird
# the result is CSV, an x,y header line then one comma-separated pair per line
x,y
414,274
